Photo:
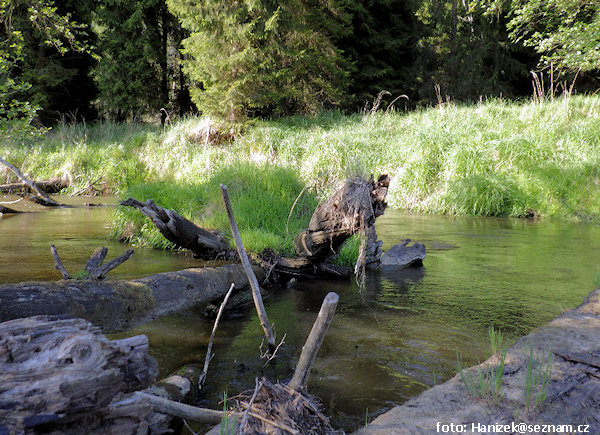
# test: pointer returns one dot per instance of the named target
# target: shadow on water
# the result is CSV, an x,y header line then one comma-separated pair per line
x,y
396,338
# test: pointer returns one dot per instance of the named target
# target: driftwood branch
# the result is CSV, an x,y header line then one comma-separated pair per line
x,y
313,342
252,399
193,413
101,271
260,308
93,267
96,259
204,244
58,264
212,337
43,198
60,375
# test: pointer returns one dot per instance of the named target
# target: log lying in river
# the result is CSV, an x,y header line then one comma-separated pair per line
x,y
205,244
121,305
61,376
54,185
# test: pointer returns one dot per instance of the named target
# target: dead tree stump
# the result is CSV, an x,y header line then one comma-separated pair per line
x,y
62,375
350,210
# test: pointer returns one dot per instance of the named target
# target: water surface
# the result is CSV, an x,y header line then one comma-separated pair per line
x,y
396,338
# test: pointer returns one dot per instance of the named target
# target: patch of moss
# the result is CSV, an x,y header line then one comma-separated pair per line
x,y
136,297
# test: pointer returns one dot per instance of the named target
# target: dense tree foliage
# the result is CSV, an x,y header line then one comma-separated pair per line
x,y
259,57
37,42
134,73
565,32
245,58
380,43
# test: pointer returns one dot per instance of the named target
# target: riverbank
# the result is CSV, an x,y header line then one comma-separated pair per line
x,y
496,158
566,354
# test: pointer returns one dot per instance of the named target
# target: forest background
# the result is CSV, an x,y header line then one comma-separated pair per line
x,y
235,60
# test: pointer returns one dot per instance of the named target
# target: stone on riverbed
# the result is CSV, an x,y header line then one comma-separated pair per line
x,y
402,255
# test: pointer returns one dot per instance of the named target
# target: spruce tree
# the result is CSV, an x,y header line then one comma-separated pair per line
x,y
260,57
379,42
133,73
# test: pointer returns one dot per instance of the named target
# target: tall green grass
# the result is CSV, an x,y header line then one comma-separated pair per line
x,y
497,158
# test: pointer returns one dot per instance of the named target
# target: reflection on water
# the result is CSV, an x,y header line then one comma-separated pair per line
x,y
397,338
25,241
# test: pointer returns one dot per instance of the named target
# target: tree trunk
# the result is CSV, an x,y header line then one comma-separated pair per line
x,y
60,375
120,305
205,244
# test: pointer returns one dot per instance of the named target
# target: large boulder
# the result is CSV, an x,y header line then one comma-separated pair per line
x,y
402,255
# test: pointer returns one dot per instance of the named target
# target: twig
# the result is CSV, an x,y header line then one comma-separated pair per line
x,y
258,303
212,337
292,209
245,418
46,200
58,264
313,342
274,423
100,272
275,351
189,427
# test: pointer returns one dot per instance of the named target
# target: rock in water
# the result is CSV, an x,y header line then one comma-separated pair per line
x,y
402,255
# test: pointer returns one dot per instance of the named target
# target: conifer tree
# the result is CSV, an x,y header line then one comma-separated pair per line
x,y
261,57
133,71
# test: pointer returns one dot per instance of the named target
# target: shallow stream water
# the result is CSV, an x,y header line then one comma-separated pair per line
x,y
387,343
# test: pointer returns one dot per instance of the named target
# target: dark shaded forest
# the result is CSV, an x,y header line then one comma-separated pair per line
x,y
235,60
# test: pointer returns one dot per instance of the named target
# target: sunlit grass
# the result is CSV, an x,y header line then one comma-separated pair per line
x,y
497,158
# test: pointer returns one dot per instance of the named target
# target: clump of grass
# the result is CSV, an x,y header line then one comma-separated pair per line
x,y
262,197
495,341
486,381
537,378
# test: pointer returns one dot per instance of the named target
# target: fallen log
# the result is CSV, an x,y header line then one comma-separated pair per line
x,y
120,305
208,245
48,186
60,375
40,197
6,210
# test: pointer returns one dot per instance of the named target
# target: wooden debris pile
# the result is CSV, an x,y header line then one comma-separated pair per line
x,y
276,408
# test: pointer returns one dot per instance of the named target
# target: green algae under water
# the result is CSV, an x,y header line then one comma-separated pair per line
x,y
396,338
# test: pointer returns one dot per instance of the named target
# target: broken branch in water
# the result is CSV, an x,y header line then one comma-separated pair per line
x,y
93,267
58,264
212,337
313,342
260,308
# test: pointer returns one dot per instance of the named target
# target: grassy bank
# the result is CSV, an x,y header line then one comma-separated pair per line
x,y
493,159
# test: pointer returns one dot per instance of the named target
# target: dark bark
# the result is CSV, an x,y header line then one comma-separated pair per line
x,y
48,186
205,244
350,210
120,305
6,210
60,375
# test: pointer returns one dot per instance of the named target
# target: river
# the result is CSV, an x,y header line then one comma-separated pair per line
x,y
396,338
